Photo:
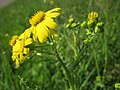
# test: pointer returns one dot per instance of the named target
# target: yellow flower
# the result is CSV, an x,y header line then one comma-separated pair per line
x,y
13,40
43,24
20,52
92,15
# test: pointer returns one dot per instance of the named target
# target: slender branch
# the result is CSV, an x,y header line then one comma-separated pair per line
x,y
96,63
64,66
78,58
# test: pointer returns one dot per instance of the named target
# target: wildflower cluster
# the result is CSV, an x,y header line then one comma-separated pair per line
x,y
92,26
72,24
87,30
42,27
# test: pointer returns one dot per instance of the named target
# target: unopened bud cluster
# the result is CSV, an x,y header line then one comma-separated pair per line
x,y
72,24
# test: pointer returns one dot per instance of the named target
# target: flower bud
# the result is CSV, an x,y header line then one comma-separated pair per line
x,y
92,15
71,20
73,25
67,26
100,26
90,23
84,24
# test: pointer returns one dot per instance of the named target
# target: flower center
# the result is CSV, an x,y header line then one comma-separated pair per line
x,y
37,18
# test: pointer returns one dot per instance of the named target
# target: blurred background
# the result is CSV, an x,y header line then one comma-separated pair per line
x,y
5,2
44,73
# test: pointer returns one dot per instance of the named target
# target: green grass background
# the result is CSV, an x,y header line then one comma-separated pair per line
x,y
44,73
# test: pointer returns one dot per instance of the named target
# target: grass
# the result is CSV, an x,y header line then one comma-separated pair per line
x,y
99,66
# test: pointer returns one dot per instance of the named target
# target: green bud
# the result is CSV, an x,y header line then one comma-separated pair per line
x,y
96,29
90,23
117,85
71,20
67,26
85,41
73,25
99,27
78,23
84,24
100,24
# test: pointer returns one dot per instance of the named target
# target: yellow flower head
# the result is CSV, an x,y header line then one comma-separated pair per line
x,y
13,40
92,15
43,24
20,52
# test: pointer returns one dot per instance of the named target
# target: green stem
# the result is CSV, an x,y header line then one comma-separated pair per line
x,y
75,47
78,58
106,11
64,66
87,78
96,60
72,46
96,63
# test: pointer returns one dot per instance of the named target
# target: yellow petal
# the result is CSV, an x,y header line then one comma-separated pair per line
x,y
50,23
16,47
28,41
43,29
42,32
21,36
14,56
53,10
41,37
33,30
27,32
26,50
53,15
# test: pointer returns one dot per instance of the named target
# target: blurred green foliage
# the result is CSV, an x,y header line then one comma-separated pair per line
x,y
45,73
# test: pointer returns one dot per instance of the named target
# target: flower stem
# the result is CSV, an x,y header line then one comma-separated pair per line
x,y
96,60
78,59
64,66
96,63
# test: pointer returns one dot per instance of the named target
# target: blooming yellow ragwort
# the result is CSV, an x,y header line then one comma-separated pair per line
x,y
43,24
19,50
